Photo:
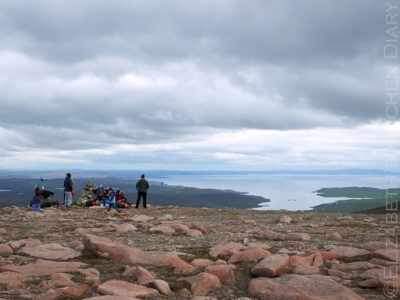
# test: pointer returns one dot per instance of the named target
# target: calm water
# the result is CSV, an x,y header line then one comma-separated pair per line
x,y
291,192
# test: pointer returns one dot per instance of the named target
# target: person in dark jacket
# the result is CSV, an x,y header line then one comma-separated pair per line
x,y
142,186
68,187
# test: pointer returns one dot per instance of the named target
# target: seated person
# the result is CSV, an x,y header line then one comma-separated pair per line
x,y
100,194
119,196
47,201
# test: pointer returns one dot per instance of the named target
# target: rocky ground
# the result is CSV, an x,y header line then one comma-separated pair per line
x,y
188,253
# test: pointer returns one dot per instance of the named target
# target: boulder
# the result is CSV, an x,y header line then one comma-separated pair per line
x,y
162,229
141,218
125,289
200,227
378,278
61,280
388,254
373,246
120,252
335,236
285,219
108,297
201,262
160,285
178,227
83,231
313,259
166,217
270,235
124,228
140,274
296,287
194,233
12,280
30,242
52,251
44,267
337,273
347,252
249,254
5,249
67,292
306,270
203,283
349,267
227,249
271,266
92,276
225,273
298,237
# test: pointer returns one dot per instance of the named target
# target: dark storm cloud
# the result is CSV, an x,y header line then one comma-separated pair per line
x,y
87,74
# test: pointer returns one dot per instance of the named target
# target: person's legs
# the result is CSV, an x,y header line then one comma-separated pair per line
x,y
138,200
144,194
68,199
115,207
37,207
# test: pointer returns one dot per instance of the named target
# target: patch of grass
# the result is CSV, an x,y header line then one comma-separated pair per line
x,y
243,277
108,269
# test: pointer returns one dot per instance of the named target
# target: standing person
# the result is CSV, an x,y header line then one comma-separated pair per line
x,y
68,187
142,186
111,198
37,199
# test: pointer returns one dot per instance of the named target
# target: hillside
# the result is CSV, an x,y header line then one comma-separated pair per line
x,y
19,192
176,253
359,199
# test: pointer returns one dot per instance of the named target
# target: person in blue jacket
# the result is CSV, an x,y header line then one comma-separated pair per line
x,y
111,198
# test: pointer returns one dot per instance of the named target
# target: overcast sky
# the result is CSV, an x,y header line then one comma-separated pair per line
x,y
242,85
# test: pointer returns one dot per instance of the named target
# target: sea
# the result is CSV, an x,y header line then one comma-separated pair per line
x,y
290,192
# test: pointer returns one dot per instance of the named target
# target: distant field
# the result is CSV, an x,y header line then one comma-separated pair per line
x,y
22,191
373,198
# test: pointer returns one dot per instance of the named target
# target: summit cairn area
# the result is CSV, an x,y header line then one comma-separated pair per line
x,y
196,253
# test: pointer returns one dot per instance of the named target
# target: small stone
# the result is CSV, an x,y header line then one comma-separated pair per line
x,y
285,219
335,236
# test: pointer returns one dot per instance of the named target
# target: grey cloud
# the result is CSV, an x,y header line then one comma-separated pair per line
x,y
207,66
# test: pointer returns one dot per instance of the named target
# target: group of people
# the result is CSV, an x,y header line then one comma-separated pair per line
x,y
107,196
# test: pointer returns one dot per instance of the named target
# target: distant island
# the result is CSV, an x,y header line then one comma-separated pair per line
x,y
361,199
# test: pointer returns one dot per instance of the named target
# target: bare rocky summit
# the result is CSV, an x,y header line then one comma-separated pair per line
x,y
196,253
